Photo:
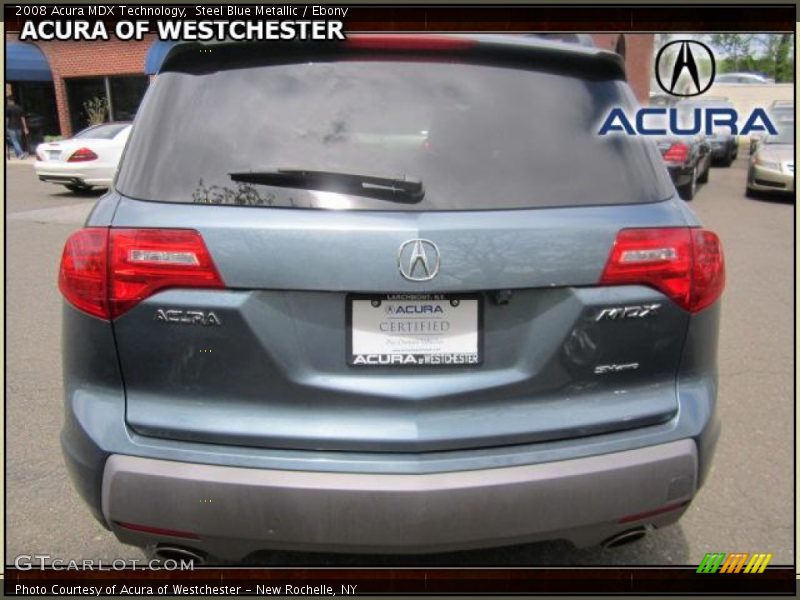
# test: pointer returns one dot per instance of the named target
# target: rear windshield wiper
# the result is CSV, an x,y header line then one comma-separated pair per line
x,y
394,189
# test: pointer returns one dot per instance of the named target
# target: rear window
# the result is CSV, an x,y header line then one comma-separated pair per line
x,y
102,132
477,136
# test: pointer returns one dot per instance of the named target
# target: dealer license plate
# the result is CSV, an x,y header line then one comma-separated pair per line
x,y
414,330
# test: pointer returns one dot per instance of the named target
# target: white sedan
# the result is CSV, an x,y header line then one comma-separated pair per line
x,y
86,160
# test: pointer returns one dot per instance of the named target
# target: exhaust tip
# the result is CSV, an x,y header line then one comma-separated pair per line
x,y
626,537
164,552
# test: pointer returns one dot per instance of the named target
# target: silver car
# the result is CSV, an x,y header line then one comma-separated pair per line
x,y
772,165
779,111
388,295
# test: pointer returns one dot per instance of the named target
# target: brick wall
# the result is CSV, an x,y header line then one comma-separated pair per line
x,y
638,58
89,59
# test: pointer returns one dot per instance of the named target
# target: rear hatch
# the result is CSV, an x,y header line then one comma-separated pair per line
x,y
410,239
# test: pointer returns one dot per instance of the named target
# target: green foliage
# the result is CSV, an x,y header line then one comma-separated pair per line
x,y
769,53
784,58
737,48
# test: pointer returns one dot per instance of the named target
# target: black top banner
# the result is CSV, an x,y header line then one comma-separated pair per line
x,y
722,18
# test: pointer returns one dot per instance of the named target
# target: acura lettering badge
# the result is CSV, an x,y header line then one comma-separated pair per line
x,y
418,260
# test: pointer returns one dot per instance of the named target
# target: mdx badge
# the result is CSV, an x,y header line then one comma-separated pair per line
x,y
187,317
618,313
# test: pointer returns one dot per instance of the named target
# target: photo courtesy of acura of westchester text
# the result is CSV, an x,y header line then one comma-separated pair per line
x,y
389,286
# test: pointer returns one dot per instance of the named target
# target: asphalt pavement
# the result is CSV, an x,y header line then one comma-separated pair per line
x,y
745,506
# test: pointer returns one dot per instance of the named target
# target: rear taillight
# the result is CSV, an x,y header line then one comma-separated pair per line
x,y
685,264
105,272
40,155
708,269
83,277
676,153
144,261
82,155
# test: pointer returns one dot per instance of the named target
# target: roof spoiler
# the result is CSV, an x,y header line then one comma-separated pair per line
x,y
524,51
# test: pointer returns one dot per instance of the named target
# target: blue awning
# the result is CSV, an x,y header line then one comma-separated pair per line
x,y
25,62
155,56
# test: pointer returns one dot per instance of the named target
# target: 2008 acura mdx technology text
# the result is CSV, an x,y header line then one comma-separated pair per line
x,y
392,294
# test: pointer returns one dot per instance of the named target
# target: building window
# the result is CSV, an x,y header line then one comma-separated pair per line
x,y
79,91
122,94
126,94
38,100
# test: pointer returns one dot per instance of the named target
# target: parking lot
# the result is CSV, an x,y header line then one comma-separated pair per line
x,y
747,504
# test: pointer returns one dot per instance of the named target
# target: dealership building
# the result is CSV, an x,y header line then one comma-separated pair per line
x,y
52,80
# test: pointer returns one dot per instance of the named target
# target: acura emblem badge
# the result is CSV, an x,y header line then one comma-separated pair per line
x,y
418,260
688,58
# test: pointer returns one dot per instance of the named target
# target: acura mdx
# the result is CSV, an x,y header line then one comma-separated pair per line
x,y
392,294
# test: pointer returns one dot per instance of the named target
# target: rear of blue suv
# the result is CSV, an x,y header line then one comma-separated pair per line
x,y
388,295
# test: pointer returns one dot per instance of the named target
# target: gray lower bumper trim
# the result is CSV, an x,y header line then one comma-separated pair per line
x,y
261,509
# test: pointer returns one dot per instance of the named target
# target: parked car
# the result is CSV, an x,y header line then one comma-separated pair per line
x,y
782,107
688,160
772,165
657,99
712,99
86,160
282,331
780,111
743,78
724,145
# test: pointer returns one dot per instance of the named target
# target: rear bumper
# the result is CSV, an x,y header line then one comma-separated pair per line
x,y
680,174
235,511
769,180
95,434
63,173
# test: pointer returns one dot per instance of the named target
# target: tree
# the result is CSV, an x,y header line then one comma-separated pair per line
x,y
784,65
738,47
769,53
